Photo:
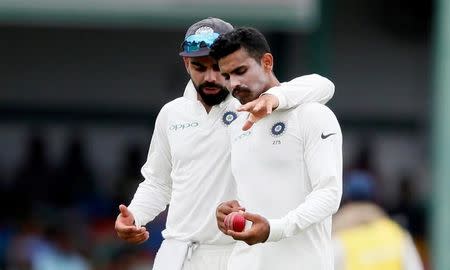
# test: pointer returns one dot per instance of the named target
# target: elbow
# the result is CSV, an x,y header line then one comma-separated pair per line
x,y
336,196
329,87
326,85
337,202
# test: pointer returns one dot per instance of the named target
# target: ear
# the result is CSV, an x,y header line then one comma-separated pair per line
x,y
186,64
267,62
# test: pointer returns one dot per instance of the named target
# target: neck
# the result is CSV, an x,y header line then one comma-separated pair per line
x,y
206,106
273,81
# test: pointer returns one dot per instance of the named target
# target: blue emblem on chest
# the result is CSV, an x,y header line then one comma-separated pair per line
x,y
278,129
229,117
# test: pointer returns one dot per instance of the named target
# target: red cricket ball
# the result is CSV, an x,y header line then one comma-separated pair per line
x,y
235,221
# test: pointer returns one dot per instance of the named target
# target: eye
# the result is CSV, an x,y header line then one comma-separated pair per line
x,y
226,76
200,68
240,71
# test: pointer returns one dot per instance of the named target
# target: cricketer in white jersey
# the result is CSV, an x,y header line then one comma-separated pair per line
x,y
287,167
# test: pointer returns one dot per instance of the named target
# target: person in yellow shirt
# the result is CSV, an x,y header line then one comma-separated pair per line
x,y
365,237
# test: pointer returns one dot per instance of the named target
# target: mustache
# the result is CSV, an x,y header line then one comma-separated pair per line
x,y
240,89
210,84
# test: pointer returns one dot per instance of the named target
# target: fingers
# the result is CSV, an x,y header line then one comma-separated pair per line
x,y
130,233
244,235
258,109
129,230
252,217
235,204
257,233
248,106
137,238
269,108
126,230
263,104
223,210
229,206
258,106
249,123
124,211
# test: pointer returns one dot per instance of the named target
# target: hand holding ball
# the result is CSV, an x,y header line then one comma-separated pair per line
x,y
235,221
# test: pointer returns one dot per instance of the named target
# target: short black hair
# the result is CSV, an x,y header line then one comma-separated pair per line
x,y
248,38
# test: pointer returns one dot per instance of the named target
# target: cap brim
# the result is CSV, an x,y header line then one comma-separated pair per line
x,y
195,54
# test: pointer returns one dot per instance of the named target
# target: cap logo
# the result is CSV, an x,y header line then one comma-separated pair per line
x,y
204,30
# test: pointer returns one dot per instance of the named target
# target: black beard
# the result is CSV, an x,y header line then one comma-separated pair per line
x,y
215,99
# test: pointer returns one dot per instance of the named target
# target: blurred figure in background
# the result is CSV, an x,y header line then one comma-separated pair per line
x,y
365,237
30,186
126,183
74,183
60,252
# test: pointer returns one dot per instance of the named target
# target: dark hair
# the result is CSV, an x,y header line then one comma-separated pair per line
x,y
248,38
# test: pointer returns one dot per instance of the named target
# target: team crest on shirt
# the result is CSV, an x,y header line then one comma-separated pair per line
x,y
229,117
278,129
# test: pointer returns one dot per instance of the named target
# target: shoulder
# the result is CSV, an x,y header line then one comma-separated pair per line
x,y
310,79
313,109
171,108
174,105
316,117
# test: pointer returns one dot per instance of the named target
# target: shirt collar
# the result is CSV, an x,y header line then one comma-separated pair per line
x,y
191,94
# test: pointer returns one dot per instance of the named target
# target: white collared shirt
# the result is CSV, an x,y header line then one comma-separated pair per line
x,y
288,168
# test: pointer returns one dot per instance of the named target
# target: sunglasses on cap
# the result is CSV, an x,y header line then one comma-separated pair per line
x,y
197,42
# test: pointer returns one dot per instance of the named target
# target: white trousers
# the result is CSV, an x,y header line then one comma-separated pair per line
x,y
177,255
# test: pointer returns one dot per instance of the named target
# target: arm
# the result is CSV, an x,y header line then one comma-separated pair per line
x,y
304,89
153,194
323,159
301,90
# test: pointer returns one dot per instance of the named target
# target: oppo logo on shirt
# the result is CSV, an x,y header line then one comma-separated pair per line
x,y
243,135
183,126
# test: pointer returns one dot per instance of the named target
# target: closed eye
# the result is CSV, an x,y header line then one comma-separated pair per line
x,y
240,71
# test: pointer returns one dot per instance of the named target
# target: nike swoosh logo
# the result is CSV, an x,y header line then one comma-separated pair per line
x,y
326,136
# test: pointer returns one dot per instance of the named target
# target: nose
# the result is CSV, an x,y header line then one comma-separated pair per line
x,y
234,82
211,76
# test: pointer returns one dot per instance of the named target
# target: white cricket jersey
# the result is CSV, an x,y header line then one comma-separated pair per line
x,y
188,164
288,168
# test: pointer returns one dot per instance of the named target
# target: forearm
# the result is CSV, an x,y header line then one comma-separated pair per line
x,y
149,200
304,89
319,205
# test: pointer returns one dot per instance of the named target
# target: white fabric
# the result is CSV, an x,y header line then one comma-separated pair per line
x,y
207,257
188,164
288,168
171,255
295,92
